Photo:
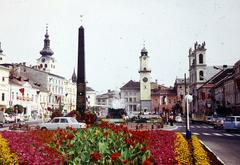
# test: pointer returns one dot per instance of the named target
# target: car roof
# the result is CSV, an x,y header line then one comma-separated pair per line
x,y
233,116
63,118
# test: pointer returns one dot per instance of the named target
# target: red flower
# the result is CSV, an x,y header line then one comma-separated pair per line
x,y
129,142
115,156
147,162
143,149
106,134
70,136
125,161
95,156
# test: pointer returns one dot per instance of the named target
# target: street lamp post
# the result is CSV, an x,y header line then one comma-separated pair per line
x,y
188,99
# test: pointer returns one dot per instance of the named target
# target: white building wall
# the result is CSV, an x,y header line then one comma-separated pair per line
x,y
4,88
70,95
91,98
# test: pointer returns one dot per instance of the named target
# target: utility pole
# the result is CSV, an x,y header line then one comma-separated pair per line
x,y
187,101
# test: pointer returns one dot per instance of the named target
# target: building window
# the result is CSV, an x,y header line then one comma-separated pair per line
x,y
3,79
12,95
200,59
201,76
3,96
0,58
45,65
130,99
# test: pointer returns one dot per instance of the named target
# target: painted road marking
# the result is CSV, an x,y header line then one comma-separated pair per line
x,y
195,133
217,134
205,133
227,134
236,134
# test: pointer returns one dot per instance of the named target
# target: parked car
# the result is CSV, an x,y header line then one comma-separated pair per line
x,y
19,118
231,123
62,122
8,118
209,119
178,119
218,123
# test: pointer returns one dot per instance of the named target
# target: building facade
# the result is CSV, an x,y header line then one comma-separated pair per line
x,y
4,88
164,100
130,93
182,88
237,86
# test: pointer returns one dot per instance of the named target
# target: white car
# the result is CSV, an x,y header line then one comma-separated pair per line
x,y
8,118
178,119
62,122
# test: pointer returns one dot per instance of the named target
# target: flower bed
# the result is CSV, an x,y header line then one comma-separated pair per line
x,y
30,150
6,157
199,154
182,150
102,144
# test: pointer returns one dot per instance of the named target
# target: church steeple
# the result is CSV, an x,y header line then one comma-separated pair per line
x,y
46,51
74,77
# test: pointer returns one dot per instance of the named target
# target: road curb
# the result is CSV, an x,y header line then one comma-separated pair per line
x,y
219,159
170,129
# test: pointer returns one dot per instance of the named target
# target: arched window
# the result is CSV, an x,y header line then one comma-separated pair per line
x,y
200,59
201,76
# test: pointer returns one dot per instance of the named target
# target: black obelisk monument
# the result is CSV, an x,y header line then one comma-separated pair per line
x,y
81,85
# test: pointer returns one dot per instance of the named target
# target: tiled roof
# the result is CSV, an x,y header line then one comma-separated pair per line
x,y
131,85
181,81
89,89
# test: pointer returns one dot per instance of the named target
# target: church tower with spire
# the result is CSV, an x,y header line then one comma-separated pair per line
x,y
145,82
46,62
74,77
2,56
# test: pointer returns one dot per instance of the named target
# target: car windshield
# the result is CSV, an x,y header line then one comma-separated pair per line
x,y
229,118
73,120
55,121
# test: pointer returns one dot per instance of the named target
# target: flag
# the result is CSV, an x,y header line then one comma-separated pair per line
x,y
22,91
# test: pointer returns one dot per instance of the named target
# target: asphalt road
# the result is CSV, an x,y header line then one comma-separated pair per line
x,y
226,145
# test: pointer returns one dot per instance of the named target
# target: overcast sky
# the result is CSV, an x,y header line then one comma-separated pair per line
x,y
114,34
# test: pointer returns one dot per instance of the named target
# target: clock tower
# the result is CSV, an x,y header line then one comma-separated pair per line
x,y
145,85
46,62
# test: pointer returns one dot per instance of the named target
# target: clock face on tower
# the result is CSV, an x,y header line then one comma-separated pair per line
x,y
43,59
145,79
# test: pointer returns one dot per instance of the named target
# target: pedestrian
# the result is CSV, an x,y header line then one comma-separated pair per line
x,y
171,120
